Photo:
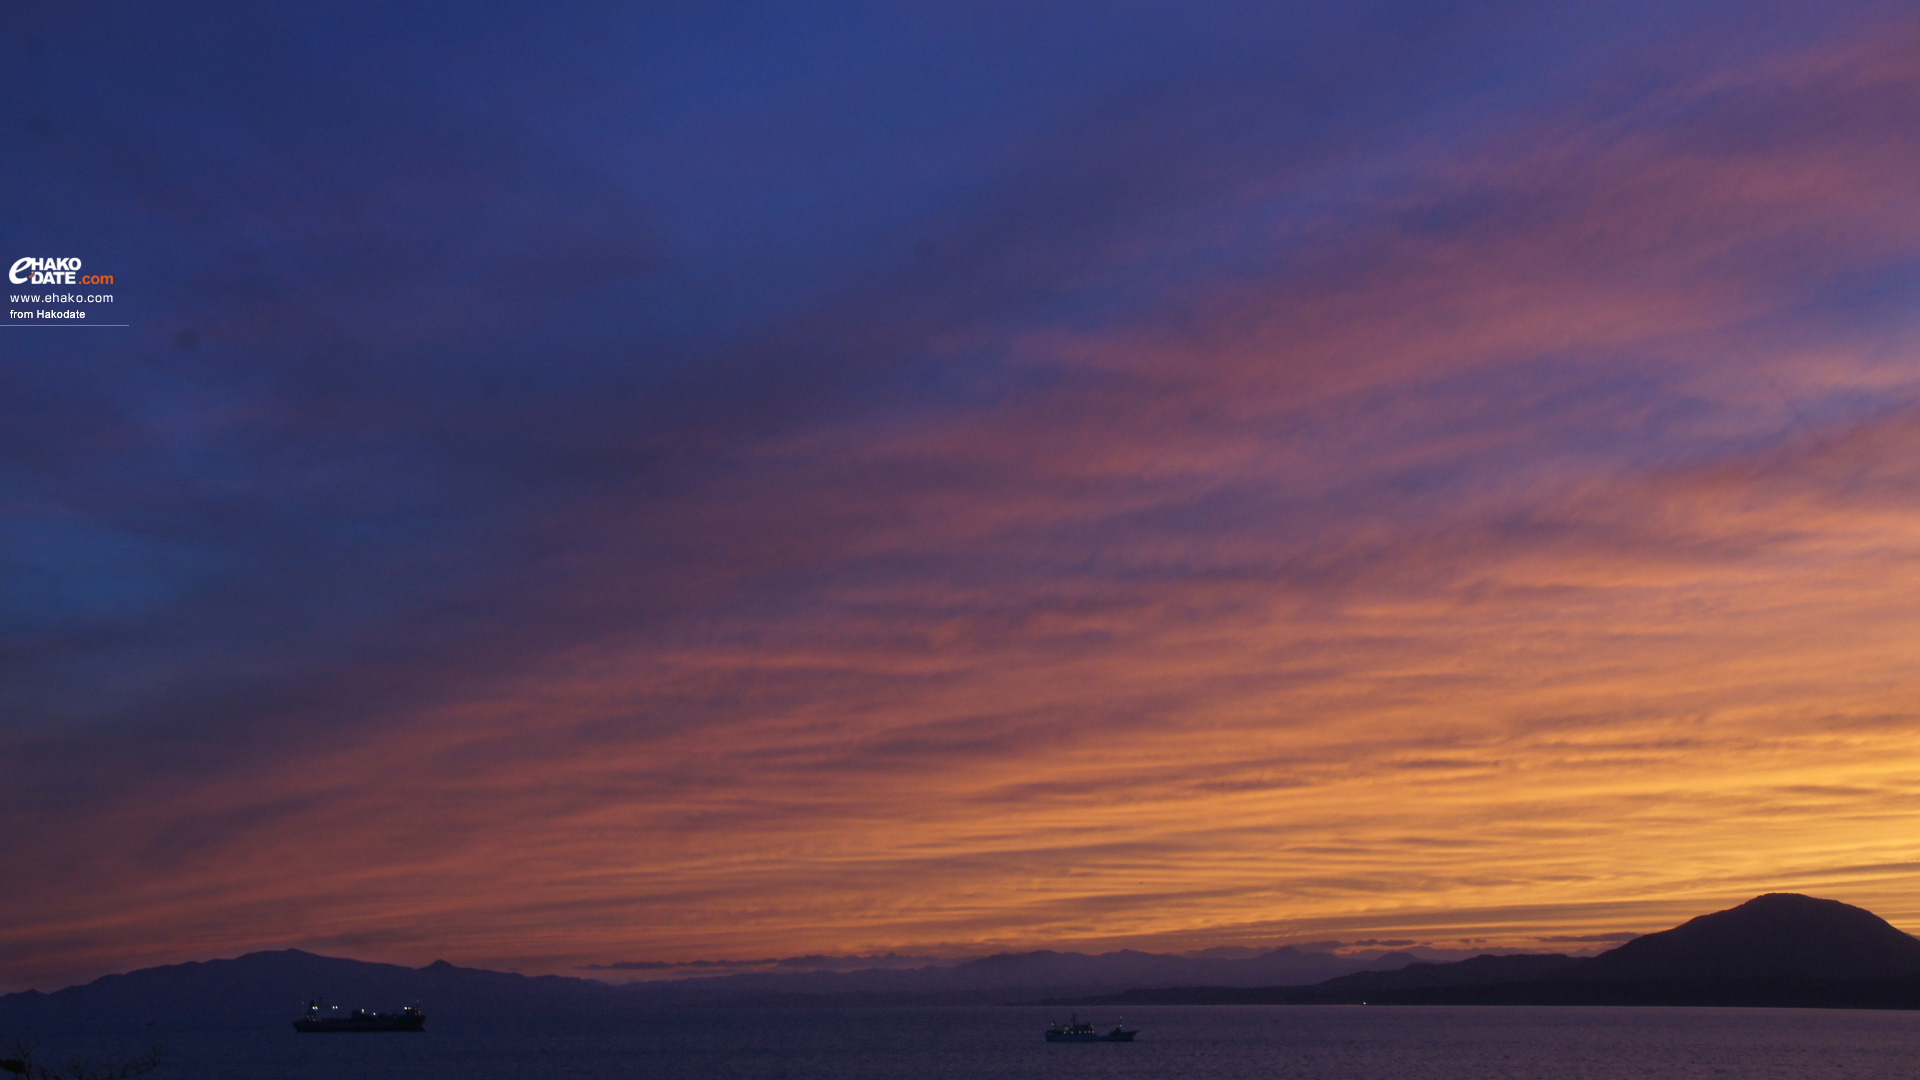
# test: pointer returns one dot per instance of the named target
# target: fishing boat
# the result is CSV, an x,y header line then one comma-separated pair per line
x,y
1075,1031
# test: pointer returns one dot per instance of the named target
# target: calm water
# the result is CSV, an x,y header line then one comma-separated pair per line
x,y
1189,1043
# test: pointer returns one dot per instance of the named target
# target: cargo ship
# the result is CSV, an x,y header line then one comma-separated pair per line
x,y
323,1018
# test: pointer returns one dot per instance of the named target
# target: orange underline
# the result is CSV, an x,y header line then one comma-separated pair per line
x,y
66,324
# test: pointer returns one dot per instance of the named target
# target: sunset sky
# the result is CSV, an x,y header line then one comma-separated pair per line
x,y
606,483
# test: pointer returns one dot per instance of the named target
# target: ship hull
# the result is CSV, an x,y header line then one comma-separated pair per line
x,y
1117,1036
345,1025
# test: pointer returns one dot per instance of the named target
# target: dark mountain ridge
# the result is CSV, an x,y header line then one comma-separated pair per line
x,y
1779,935
1776,949
1478,971
990,977
268,987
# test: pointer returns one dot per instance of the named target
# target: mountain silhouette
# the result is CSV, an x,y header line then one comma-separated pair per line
x,y
1479,971
268,988
1776,949
990,978
1778,935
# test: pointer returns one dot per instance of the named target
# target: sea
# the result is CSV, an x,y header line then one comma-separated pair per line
x,y
1005,1043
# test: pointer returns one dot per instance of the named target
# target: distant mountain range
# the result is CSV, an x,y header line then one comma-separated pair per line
x,y
265,987
269,988
994,978
1778,949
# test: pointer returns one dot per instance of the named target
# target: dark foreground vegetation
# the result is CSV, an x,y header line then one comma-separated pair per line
x,y
20,1062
